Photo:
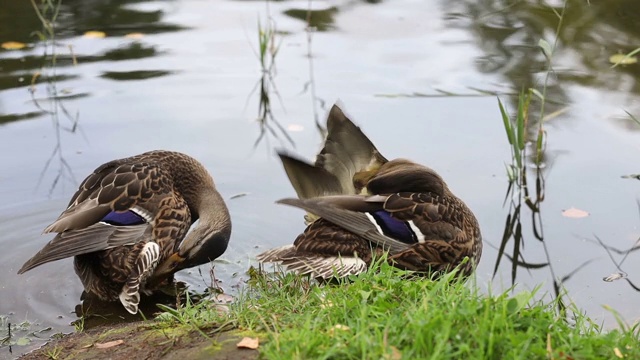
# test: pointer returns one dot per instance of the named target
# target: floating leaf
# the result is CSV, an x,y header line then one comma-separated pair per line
x,y
248,343
631,176
622,59
239,195
575,213
23,341
94,34
13,45
615,276
109,344
134,35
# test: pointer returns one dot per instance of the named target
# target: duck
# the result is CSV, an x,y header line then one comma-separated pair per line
x,y
361,206
130,225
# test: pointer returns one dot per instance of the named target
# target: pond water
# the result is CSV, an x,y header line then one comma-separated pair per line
x,y
420,77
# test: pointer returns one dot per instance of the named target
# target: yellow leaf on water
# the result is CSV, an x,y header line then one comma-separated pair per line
x,y
574,213
134,35
94,34
13,45
109,344
249,343
623,59
295,127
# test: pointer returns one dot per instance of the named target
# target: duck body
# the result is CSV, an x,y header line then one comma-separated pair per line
x,y
366,205
127,226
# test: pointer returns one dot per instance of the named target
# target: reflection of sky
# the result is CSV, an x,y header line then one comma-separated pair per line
x,y
384,49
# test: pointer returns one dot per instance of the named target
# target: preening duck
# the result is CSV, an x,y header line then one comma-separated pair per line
x,y
127,226
360,204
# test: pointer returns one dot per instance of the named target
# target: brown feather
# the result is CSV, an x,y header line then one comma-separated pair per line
x,y
171,191
446,230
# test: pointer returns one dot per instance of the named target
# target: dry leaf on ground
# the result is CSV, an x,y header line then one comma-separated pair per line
x,y
109,344
618,353
333,329
394,355
249,343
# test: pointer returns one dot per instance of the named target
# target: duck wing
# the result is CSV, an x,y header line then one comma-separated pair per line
x,y
114,206
323,250
346,152
351,213
447,232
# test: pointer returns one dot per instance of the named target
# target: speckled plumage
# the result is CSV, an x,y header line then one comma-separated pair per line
x,y
360,204
167,191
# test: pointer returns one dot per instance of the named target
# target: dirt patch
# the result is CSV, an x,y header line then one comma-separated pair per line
x,y
143,341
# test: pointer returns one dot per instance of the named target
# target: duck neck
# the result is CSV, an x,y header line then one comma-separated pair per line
x,y
210,237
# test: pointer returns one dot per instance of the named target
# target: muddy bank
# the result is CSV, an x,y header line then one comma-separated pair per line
x,y
145,340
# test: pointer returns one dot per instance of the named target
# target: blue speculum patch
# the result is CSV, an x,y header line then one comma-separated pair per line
x,y
123,218
394,228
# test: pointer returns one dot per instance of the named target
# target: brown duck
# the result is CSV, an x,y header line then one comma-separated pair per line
x,y
127,225
360,204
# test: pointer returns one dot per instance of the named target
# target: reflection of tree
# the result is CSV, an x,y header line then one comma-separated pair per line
x,y
508,32
115,17
527,187
268,49
71,18
54,106
585,34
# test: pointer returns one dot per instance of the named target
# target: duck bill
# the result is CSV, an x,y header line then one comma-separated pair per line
x,y
168,266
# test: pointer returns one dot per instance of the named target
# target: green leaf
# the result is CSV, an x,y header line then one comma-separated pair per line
x,y
23,341
520,123
546,48
537,93
507,123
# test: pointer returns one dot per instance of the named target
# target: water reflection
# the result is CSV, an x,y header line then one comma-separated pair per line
x,y
72,19
8,118
115,18
624,254
509,34
322,20
269,42
587,33
134,75
93,312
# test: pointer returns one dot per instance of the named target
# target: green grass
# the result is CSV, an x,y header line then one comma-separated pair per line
x,y
382,314
54,353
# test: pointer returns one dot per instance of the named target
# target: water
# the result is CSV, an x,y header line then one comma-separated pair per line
x,y
413,74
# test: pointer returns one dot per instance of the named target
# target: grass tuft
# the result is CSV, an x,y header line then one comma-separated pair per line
x,y
383,314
